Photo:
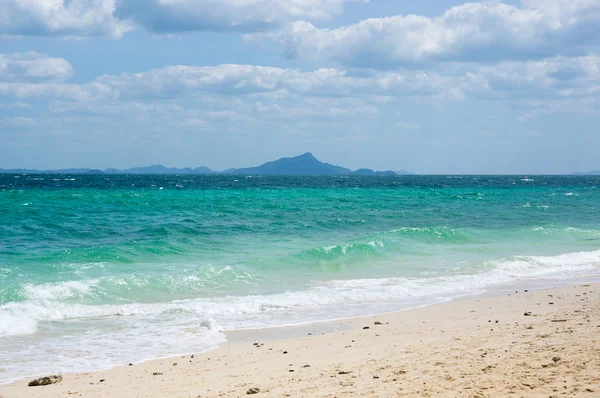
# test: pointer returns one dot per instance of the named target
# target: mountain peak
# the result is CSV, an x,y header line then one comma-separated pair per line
x,y
307,155
305,164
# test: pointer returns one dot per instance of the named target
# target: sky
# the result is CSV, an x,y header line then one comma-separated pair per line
x,y
434,87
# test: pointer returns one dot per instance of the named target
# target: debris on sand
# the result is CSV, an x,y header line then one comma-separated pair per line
x,y
45,381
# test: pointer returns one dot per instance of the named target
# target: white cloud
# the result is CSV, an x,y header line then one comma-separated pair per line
x,y
74,18
258,107
171,16
323,92
79,92
176,81
548,79
113,18
33,66
488,31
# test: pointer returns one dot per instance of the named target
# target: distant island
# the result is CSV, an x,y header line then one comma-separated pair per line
x,y
588,173
305,164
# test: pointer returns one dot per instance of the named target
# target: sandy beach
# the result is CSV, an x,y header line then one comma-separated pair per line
x,y
543,343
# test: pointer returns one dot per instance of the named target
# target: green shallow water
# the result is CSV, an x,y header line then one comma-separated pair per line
x,y
95,255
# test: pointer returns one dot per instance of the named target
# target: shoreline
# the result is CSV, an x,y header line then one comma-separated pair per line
x,y
336,324
331,349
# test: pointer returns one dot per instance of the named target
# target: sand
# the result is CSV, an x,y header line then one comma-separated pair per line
x,y
483,347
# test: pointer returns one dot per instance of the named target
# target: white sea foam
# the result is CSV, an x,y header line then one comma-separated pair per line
x,y
61,290
15,324
45,301
99,336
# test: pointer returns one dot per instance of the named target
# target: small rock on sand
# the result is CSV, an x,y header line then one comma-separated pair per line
x,y
253,390
44,381
527,313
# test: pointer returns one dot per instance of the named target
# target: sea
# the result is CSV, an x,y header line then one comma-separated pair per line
x,y
104,270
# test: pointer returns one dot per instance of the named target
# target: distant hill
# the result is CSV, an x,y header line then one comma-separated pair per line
x,y
369,172
588,173
94,172
305,164
32,171
156,169
203,170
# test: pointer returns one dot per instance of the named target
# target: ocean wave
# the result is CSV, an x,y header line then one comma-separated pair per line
x,y
325,298
95,345
55,291
381,244
429,234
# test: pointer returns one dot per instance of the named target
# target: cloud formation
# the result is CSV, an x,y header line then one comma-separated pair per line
x,y
173,16
239,80
472,32
32,66
113,18
33,75
173,81
548,79
60,18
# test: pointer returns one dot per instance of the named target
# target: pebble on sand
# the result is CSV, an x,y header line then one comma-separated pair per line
x,y
253,390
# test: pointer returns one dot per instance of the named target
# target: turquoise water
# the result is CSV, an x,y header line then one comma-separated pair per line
x,y
97,271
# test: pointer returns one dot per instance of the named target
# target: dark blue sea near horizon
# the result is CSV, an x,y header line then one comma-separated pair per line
x,y
99,270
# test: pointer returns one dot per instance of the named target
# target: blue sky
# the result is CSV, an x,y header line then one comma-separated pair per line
x,y
428,86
